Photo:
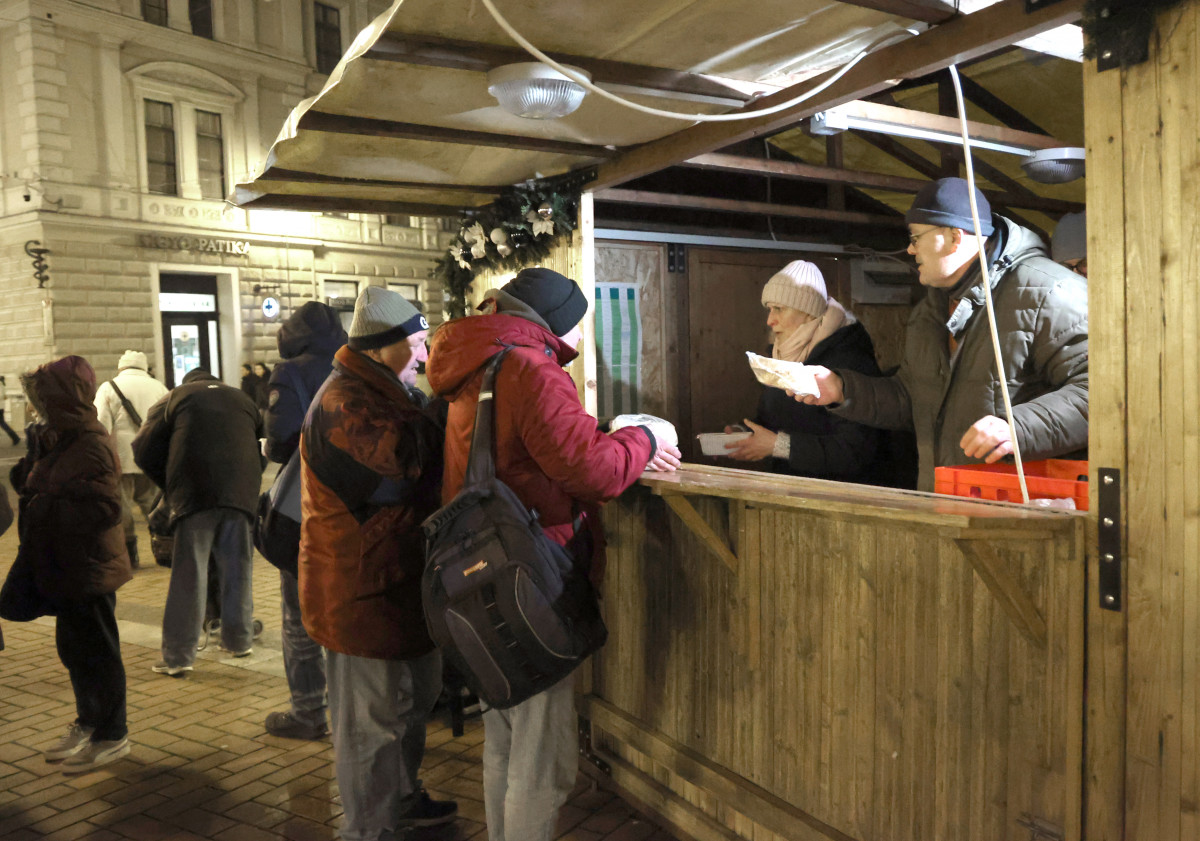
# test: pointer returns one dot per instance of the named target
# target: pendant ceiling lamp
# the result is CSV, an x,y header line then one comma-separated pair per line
x,y
531,89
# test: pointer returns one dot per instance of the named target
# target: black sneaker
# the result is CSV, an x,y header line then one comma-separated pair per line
x,y
288,726
428,812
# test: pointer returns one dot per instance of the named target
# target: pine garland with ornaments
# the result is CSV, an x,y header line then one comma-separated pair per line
x,y
519,229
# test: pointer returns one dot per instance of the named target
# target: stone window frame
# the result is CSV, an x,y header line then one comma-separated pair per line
x,y
188,89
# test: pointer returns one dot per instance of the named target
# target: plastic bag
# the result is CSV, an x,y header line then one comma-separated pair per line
x,y
663,430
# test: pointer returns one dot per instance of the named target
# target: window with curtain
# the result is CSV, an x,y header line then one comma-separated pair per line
x,y
210,155
155,11
161,171
327,27
200,14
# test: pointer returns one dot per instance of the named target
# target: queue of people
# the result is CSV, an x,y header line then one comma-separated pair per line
x,y
377,457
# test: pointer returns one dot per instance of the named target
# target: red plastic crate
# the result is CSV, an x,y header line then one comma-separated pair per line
x,y
1051,478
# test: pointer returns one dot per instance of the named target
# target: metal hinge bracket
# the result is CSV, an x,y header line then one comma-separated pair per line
x,y
1108,493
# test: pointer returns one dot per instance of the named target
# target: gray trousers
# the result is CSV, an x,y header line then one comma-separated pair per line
x,y
530,759
377,711
225,534
136,489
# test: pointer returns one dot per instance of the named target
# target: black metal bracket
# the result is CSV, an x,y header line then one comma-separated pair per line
x,y
1109,494
676,258
585,747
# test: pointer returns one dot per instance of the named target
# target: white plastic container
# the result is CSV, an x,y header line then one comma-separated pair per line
x,y
713,443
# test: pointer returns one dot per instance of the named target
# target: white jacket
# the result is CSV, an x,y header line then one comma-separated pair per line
x,y
140,389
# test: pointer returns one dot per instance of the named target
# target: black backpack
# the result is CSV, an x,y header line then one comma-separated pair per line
x,y
511,610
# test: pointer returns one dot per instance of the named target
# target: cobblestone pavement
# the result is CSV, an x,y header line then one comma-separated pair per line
x,y
202,766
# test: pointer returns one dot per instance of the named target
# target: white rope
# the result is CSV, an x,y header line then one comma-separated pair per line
x,y
987,284
674,115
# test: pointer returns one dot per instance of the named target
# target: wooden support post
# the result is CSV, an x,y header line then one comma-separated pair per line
x,y
699,527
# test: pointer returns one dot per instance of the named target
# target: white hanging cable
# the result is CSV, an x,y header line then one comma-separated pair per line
x,y
987,284
675,115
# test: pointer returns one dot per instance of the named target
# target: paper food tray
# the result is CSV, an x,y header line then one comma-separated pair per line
x,y
790,376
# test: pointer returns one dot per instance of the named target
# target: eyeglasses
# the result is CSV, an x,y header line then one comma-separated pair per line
x,y
912,238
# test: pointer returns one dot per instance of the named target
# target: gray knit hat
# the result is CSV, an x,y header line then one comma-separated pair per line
x,y
1070,238
383,317
798,285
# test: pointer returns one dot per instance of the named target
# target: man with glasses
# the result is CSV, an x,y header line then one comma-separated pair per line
x,y
946,390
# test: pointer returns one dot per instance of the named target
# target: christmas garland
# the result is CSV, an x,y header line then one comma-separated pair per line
x,y
519,229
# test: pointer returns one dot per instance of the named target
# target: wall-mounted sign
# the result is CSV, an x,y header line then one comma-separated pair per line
x,y
186,302
270,307
207,245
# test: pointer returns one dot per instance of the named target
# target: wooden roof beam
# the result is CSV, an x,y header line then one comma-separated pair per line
x,y
928,11
958,40
301,177
431,51
342,124
858,178
652,199
334,204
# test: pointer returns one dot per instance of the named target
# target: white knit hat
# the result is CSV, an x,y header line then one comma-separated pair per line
x,y
383,317
798,285
133,359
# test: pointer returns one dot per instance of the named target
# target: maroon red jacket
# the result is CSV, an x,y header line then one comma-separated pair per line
x,y
548,449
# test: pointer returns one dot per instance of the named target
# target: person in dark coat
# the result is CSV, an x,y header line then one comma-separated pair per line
x,y
200,445
70,525
249,382
308,339
810,327
262,388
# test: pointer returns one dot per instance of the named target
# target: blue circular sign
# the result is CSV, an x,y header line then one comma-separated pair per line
x,y
270,307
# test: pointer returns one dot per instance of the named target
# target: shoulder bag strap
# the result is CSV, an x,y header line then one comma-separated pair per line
x,y
481,465
129,410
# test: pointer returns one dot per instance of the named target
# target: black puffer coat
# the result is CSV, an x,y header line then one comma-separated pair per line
x,y
825,446
200,445
308,339
69,482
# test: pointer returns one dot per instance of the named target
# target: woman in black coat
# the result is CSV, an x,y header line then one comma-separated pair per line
x,y
810,327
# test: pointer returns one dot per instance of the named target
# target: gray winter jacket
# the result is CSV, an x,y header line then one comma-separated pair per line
x,y
1042,320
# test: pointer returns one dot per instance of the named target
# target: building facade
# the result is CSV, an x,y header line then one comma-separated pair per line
x,y
123,126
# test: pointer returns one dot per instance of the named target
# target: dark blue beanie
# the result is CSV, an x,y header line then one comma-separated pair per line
x,y
945,202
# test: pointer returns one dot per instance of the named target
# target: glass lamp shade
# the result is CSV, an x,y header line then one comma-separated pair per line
x,y
532,89
1055,166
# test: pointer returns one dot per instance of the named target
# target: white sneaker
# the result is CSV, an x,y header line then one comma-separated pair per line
x,y
162,667
77,739
94,755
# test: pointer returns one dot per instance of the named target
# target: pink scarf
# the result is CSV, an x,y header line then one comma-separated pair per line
x,y
796,346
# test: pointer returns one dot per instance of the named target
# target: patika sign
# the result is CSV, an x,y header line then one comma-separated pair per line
x,y
202,244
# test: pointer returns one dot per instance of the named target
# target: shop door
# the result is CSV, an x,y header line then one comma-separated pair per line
x,y
188,304
725,318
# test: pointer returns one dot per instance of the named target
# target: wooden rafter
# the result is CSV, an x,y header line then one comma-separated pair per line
x,y
301,177
927,11
958,40
331,204
997,107
653,199
430,51
856,178
340,123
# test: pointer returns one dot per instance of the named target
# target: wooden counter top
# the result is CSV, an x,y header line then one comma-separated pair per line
x,y
953,516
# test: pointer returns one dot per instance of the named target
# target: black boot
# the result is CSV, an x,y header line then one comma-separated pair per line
x,y
131,546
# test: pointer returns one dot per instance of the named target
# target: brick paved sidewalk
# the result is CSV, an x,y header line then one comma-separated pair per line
x,y
202,766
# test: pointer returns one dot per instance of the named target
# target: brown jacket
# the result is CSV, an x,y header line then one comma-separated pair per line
x,y
69,483
372,467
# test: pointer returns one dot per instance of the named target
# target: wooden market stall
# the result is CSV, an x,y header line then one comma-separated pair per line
x,y
807,660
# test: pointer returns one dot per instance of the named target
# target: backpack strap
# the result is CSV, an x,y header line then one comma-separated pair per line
x,y
129,410
481,464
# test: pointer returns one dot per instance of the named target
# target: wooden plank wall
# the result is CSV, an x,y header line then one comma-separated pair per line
x,y
1143,172
854,679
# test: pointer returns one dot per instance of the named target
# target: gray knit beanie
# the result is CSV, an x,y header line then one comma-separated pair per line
x,y
383,317
1070,238
798,285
